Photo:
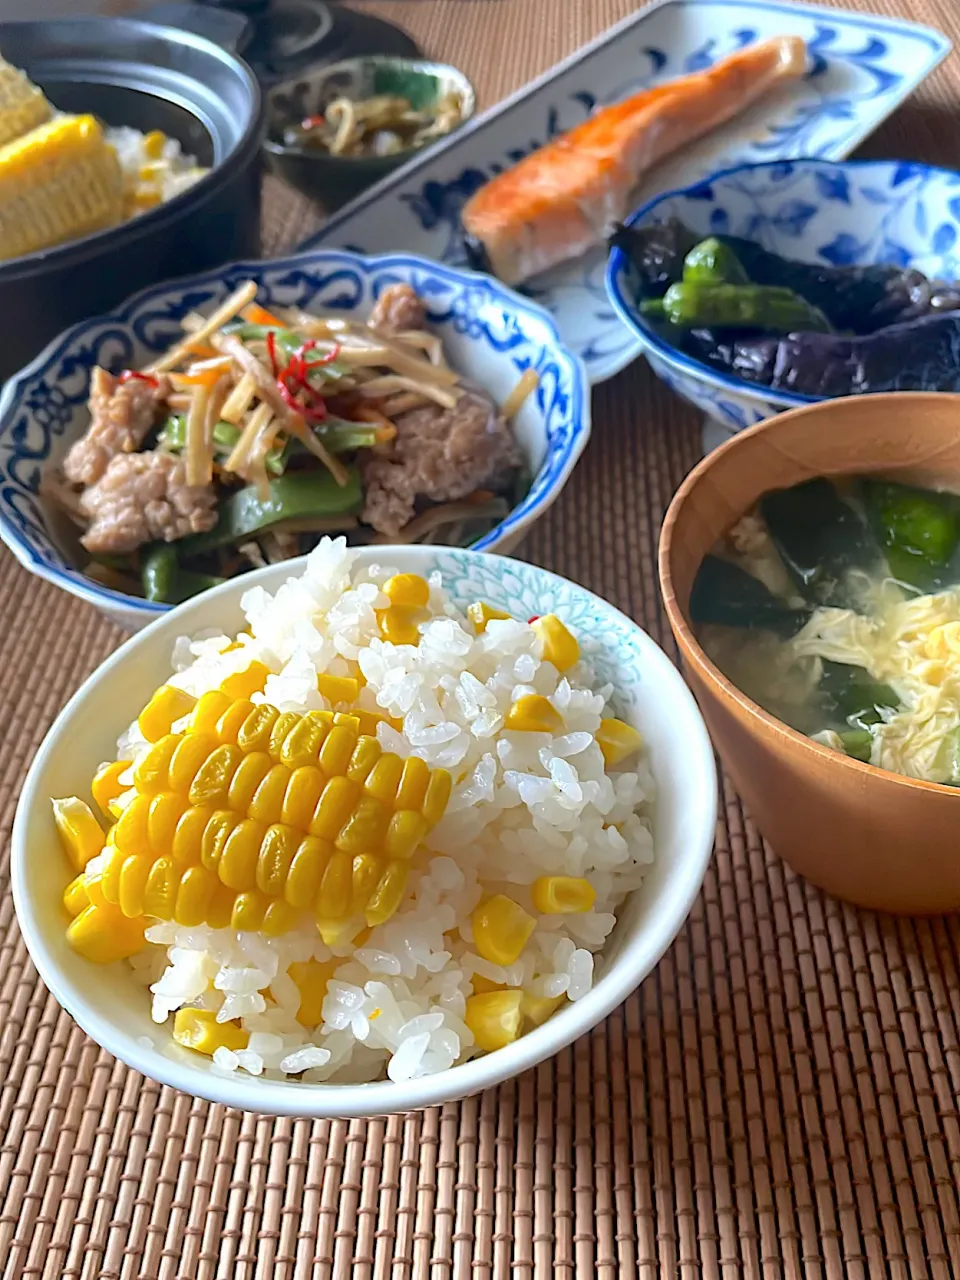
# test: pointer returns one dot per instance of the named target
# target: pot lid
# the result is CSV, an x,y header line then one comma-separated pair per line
x,y
288,36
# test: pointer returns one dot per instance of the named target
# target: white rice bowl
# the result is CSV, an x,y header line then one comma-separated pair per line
x,y
523,805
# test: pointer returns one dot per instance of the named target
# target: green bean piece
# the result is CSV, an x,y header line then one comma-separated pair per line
x,y
713,262
725,594
918,529
297,496
159,567
690,305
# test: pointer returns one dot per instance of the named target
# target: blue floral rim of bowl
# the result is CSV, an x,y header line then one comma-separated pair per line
x,y
38,404
834,174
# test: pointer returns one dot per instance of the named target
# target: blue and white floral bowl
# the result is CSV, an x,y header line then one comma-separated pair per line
x,y
837,214
490,334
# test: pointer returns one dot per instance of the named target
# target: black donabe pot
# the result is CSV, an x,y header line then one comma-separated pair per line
x,y
128,71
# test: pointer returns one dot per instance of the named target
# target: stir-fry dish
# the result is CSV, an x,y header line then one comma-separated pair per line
x,y
259,431
836,606
334,868
66,176
795,326
381,125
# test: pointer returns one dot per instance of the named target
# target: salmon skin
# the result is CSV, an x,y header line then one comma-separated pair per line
x,y
566,197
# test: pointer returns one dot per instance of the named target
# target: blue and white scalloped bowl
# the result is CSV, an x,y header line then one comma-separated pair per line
x,y
490,334
837,214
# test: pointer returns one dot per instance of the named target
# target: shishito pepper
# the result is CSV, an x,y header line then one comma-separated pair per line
x,y
692,305
713,262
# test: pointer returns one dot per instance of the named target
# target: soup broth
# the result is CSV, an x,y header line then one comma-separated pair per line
x,y
835,605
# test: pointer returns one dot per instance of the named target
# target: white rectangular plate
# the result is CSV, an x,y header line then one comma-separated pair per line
x,y
862,68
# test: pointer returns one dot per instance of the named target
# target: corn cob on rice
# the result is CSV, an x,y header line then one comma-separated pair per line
x,y
333,855
64,176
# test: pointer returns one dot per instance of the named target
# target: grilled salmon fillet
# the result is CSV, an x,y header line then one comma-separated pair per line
x,y
564,198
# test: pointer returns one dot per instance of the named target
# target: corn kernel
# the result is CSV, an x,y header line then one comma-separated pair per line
x,y
81,835
302,744
333,900
267,803
306,872
232,721
152,774
388,895
559,646
132,832
408,590
190,753
414,781
286,721
438,793
407,828
397,626
337,749
562,895
238,863
160,891
244,684
104,934
194,896
75,897
480,613
163,818
311,977
384,779
279,918
366,828
210,707
167,705
255,732
336,804
366,877
153,144
220,909
347,718
110,876
94,888
188,837
273,861
337,689
501,929
133,884
218,830
365,755
533,713
494,1018
199,1030
482,985
251,771
248,911
301,797
106,784
617,740
537,1009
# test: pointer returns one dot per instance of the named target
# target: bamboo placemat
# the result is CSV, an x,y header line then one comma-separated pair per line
x,y
778,1099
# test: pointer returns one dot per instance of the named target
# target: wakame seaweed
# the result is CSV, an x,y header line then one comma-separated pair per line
x,y
727,595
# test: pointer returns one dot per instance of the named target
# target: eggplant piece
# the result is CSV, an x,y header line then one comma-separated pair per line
x,y
820,538
656,253
918,529
923,355
727,595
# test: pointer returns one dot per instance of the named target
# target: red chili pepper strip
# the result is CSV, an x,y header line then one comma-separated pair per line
x,y
535,618
312,122
130,375
327,359
272,351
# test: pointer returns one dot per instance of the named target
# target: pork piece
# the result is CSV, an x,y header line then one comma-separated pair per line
x,y
121,415
144,497
397,308
439,454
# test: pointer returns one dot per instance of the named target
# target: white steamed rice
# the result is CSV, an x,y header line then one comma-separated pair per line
x,y
526,805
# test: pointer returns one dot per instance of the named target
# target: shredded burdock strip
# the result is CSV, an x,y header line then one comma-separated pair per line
x,y
292,423
197,451
529,381
239,400
221,316
237,460
381,386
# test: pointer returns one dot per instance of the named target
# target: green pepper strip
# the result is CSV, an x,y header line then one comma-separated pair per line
x,y
164,579
297,496
289,343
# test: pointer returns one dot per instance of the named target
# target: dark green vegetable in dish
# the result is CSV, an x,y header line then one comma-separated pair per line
x,y
690,305
820,538
312,496
727,595
857,743
713,262
852,695
166,581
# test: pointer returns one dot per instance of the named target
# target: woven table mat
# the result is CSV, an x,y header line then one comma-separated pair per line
x,y
778,1099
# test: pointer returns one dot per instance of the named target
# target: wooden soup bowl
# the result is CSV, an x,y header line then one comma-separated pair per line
x,y
871,837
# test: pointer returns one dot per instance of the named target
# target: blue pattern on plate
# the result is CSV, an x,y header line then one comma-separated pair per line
x,y
847,214
42,409
861,68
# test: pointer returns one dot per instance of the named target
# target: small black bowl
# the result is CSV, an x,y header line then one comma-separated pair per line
x,y
333,180
131,72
